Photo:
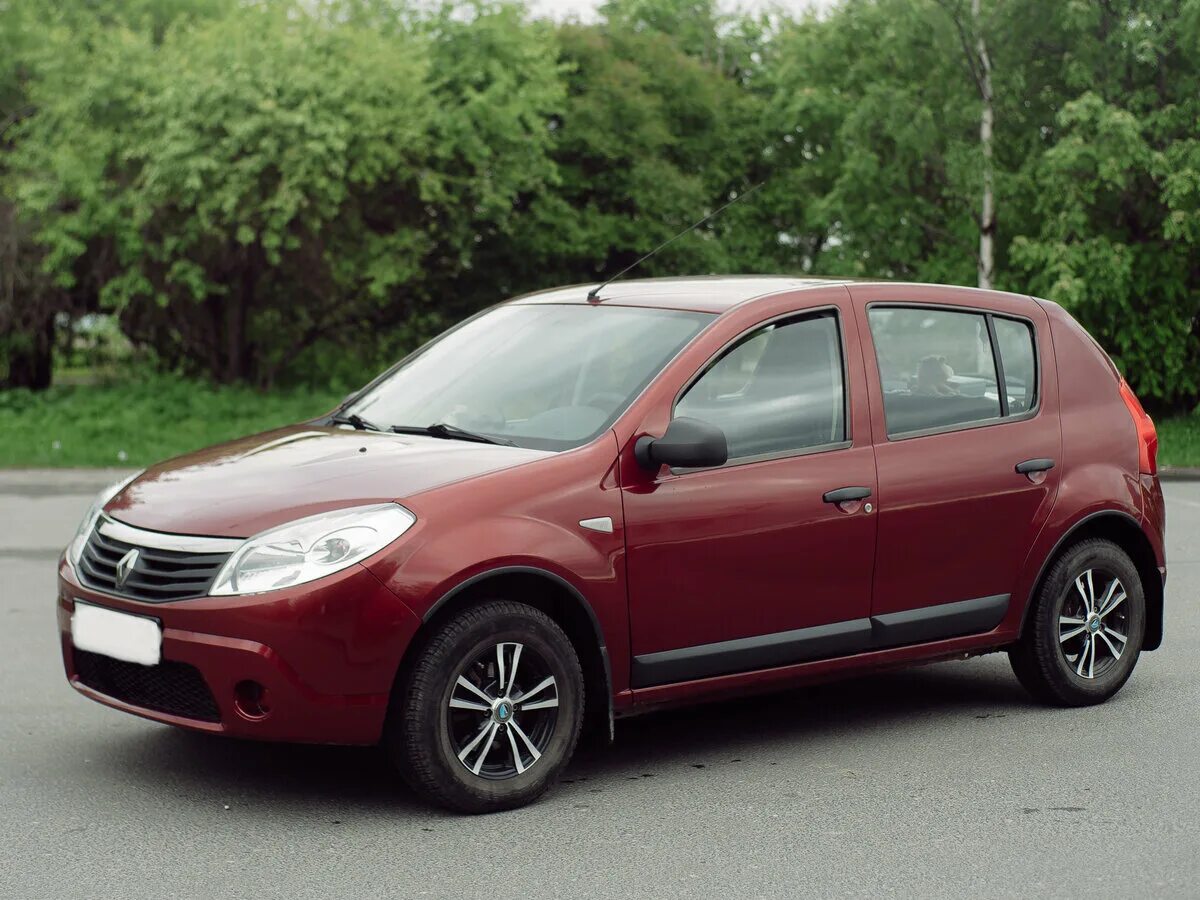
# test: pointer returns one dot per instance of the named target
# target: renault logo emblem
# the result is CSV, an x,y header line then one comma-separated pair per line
x,y
125,567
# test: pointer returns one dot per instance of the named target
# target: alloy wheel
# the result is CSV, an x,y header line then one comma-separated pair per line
x,y
1093,624
502,711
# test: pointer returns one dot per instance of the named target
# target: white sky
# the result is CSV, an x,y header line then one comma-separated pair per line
x,y
585,10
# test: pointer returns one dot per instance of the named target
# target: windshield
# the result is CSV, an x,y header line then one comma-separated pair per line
x,y
544,376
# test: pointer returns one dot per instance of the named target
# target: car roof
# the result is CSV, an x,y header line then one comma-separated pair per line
x,y
711,293
718,293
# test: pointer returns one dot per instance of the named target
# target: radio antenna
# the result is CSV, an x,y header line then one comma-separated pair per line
x,y
593,295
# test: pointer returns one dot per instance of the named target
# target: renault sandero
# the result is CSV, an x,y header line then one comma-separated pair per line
x,y
583,504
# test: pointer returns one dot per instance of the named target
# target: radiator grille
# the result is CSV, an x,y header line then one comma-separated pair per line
x,y
155,576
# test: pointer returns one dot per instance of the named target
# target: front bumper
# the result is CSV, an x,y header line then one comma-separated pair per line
x,y
325,655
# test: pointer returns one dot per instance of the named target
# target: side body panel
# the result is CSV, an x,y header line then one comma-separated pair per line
x,y
1096,475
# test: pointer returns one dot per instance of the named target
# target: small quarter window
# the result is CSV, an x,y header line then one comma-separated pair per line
x,y
936,367
779,389
1017,358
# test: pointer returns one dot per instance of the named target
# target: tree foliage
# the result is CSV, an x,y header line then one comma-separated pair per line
x,y
255,187
1117,192
262,179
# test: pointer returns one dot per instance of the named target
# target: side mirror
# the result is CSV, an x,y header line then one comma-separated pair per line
x,y
687,444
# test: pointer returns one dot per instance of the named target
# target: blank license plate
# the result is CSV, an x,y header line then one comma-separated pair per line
x,y
134,639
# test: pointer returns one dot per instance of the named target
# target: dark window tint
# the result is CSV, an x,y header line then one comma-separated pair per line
x,y
779,389
1015,340
936,367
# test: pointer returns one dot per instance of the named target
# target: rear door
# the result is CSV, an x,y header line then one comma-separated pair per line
x,y
968,449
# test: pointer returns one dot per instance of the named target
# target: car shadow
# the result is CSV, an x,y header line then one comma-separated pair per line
x,y
338,780
833,710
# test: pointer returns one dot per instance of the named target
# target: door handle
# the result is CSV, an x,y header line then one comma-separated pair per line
x,y
1034,465
846,494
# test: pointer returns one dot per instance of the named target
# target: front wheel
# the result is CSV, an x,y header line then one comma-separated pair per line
x,y
1085,628
490,711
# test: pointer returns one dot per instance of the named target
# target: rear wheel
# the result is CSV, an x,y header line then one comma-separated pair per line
x,y
490,712
1085,629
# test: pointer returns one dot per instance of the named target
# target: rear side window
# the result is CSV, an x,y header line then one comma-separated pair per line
x,y
779,389
1019,363
936,367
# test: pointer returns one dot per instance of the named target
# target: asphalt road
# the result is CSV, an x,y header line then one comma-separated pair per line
x,y
939,781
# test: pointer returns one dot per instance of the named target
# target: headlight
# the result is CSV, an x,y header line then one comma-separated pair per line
x,y
311,548
75,548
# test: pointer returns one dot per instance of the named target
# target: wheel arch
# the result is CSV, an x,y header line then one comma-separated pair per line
x,y
557,598
1126,532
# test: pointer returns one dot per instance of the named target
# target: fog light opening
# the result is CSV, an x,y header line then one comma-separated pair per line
x,y
251,699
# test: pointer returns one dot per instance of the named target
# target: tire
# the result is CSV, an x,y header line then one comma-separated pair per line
x,y
1065,657
499,746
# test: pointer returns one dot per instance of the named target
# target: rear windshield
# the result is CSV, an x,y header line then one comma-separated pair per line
x,y
543,376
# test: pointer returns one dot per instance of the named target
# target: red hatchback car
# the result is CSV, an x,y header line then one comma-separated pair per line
x,y
570,509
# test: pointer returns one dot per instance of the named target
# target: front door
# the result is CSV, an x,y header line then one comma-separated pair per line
x,y
969,457
748,566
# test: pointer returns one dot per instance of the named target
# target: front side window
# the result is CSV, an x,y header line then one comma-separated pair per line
x,y
780,389
938,367
545,376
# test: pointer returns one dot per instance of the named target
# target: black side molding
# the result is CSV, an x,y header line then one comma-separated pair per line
x,y
933,623
1034,465
746,654
783,648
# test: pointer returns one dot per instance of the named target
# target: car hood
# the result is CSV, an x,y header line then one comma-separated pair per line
x,y
243,487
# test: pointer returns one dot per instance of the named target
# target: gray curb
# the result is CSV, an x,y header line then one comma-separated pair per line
x,y
1179,473
52,482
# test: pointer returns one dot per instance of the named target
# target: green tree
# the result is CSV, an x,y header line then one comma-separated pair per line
x,y
647,140
276,175
498,86
26,325
36,41
874,136
211,166
251,185
1117,192
693,25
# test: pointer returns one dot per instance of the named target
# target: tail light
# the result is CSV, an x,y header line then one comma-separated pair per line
x,y
1147,435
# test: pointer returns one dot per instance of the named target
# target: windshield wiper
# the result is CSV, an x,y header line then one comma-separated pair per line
x,y
450,432
359,423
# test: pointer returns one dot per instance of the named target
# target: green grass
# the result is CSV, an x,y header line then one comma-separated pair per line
x,y
136,423
1179,441
140,422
